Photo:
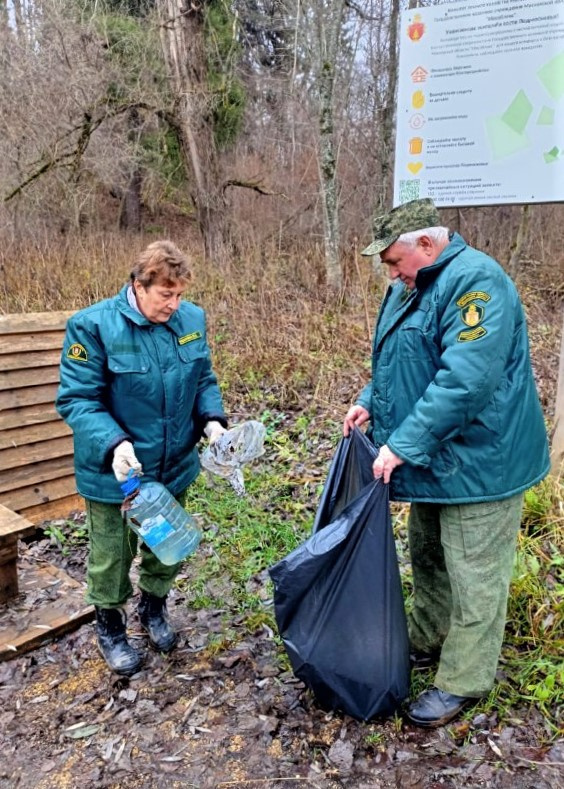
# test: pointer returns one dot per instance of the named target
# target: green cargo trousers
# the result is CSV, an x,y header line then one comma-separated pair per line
x,y
462,559
113,546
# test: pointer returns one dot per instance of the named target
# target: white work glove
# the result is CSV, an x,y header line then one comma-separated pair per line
x,y
125,460
213,431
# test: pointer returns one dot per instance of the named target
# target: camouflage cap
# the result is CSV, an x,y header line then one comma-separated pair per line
x,y
387,228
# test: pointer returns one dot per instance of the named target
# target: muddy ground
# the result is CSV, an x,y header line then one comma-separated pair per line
x,y
231,716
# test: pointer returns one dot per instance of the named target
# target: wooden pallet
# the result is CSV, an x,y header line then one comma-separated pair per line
x,y
36,449
50,603
37,601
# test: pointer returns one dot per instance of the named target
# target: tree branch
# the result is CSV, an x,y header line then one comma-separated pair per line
x,y
362,14
255,185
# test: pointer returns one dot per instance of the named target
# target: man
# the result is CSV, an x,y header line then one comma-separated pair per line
x,y
456,417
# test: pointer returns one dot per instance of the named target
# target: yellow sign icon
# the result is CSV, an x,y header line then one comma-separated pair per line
x,y
414,167
416,145
418,100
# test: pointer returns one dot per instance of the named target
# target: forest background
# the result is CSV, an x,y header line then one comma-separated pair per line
x,y
258,135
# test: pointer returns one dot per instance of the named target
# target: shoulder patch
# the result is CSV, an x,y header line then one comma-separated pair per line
x,y
471,296
473,314
77,353
196,335
471,334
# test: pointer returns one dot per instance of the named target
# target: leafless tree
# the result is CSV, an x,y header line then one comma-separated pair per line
x,y
182,36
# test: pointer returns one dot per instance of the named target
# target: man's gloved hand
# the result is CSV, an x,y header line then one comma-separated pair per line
x,y
385,463
125,460
213,431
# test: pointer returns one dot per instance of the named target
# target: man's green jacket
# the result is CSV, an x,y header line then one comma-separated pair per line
x,y
452,390
125,378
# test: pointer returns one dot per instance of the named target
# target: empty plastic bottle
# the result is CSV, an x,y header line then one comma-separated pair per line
x,y
158,519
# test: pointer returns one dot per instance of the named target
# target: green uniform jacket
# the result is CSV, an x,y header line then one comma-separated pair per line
x,y
123,377
452,390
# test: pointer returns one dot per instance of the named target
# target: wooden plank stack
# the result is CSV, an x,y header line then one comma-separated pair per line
x,y
36,451
37,600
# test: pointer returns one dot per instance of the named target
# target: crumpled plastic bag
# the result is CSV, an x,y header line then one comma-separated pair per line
x,y
234,449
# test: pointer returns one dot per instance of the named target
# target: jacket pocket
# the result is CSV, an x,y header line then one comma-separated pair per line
x,y
129,372
192,352
445,463
413,336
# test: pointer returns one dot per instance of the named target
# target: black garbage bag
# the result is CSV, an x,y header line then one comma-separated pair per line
x,y
338,598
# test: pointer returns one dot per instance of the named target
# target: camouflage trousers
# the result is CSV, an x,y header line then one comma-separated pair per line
x,y
462,558
113,546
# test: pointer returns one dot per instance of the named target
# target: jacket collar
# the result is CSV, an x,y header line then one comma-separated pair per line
x,y
427,274
174,324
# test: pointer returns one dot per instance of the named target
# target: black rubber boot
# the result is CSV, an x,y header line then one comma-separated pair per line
x,y
116,650
154,619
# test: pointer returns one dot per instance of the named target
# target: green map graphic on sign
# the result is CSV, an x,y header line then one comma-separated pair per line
x,y
517,115
546,117
552,76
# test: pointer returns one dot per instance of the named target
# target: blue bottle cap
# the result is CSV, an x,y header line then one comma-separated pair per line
x,y
131,484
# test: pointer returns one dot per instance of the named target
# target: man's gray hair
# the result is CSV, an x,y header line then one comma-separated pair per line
x,y
436,234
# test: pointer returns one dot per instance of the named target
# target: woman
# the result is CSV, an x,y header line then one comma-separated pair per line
x,y
138,390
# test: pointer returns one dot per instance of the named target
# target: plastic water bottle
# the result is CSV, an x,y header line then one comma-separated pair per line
x,y
158,519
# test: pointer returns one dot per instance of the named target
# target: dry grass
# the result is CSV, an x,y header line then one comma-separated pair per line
x,y
279,340
276,336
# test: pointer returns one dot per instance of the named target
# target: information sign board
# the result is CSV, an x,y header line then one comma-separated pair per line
x,y
480,117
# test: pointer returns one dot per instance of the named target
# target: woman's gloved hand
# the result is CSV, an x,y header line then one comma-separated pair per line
x,y
213,431
125,460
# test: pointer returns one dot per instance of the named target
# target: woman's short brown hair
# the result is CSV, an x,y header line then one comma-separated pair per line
x,y
161,262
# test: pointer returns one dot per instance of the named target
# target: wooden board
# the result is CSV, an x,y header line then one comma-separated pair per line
x,y
33,453
31,434
28,415
30,395
26,322
12,523
29,376
14,361
35,494
54,509
38,341
12,479
34,618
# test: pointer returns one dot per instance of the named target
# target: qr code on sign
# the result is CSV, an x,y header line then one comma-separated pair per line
x,y
409,190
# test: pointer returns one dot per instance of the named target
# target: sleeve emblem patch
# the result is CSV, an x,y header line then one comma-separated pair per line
x,y
189,337
471,334
472,296
473,314
77,353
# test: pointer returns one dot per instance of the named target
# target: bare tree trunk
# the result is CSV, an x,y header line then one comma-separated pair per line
x,y
328,175
329,27
517,245
182,37
130,209
389,110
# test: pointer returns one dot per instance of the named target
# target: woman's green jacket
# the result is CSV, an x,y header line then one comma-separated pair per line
x,y
125,378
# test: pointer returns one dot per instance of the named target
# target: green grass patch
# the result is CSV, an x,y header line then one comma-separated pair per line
x,y
247,535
